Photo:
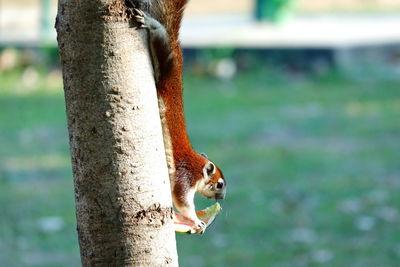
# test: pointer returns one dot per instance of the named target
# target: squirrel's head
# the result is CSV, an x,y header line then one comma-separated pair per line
x,y
213,184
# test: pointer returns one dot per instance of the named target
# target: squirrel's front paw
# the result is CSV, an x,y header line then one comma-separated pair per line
x,y
199,227
140,17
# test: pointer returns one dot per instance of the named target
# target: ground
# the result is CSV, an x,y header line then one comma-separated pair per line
x,y
312,165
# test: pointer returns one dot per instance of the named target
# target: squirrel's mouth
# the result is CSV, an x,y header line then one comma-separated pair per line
x,y
220,196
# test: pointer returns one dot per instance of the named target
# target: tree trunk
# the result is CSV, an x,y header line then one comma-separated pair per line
x,y
122,190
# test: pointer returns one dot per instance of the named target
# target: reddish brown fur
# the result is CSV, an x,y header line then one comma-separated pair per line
x,y
171,91
189,165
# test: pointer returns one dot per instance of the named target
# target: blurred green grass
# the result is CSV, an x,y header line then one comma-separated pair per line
x,y
312,166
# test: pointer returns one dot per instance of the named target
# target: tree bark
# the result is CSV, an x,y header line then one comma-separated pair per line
x,y
122,190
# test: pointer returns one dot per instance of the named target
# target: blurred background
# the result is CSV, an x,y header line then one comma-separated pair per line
x,y
297,101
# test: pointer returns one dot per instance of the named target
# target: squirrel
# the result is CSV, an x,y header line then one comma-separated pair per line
x,y
189,171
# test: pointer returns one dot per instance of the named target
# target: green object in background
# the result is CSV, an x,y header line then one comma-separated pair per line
x,y
272,10
207,215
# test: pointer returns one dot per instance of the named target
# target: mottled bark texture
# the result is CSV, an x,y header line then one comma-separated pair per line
x,y
122,191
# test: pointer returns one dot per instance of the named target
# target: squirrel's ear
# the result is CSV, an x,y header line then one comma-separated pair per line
x,y
204,155
209,169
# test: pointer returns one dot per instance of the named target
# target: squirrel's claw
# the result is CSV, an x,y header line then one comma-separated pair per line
x,y
139,12
139,17
200,227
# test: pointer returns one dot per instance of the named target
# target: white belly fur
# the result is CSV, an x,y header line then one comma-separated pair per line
x,y
167,141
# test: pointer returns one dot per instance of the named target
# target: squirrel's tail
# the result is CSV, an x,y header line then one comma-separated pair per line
x,y
169,13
